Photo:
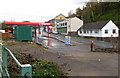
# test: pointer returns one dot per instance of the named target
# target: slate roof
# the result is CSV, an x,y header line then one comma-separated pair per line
x,y
94,25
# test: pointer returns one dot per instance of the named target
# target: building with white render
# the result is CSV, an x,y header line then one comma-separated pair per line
x,y
69,26
99,29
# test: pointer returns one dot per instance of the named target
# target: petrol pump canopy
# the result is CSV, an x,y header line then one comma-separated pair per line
x,y
29,23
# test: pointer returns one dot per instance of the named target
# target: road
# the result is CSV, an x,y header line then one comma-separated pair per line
x,y
83,62
82,44
78,40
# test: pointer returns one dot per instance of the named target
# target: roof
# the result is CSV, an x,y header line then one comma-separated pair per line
x,y
59,15
52,20
94,25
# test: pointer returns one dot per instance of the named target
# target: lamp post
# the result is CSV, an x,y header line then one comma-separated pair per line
x,y
70,27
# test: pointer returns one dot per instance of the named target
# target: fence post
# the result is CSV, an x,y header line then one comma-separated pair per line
x,y
4,61
26,70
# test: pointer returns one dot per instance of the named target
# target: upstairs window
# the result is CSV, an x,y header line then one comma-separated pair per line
x,y
114,31
106,31
66,23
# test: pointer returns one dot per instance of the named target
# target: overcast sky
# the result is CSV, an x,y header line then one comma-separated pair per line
x,y
36,10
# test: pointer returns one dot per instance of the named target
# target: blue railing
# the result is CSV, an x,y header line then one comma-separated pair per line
x,y
25,70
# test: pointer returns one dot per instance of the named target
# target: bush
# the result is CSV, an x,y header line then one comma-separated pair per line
x,y
47,69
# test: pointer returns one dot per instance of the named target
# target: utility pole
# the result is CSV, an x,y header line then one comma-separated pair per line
x,y
70,27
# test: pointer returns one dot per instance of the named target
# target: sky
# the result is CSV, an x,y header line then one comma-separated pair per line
x,y
36,10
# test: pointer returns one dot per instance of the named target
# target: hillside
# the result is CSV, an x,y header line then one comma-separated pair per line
x,y
109,15
95,11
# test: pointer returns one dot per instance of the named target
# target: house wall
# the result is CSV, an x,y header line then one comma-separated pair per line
x,y
57,19
74,24
89,34
101,33
110,26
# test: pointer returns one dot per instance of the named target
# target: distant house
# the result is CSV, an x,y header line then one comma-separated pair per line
x,y
57,19
2,31
99,29
70,25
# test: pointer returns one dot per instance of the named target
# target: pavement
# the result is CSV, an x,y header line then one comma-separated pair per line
x,y
81,61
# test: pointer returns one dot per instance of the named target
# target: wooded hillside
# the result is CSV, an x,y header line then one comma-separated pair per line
x,y
95,11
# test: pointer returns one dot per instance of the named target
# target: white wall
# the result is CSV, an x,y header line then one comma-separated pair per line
x,y
110,26
89,34
74,24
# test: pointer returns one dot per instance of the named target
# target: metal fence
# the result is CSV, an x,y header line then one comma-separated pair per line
x,y
25,70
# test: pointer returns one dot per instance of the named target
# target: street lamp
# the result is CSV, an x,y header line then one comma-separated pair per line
x,y
70,27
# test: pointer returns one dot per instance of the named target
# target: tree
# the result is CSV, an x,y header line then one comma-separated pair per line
x,y
79,13
4,25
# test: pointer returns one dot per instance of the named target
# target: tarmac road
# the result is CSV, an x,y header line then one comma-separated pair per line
x,y
82,62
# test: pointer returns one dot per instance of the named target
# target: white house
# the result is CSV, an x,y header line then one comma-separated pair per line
x,y
99,29
70,25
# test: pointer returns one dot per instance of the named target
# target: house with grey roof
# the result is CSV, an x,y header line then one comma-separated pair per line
x,y
99,29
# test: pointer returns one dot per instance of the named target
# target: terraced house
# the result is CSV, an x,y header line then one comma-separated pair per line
x,y
55,20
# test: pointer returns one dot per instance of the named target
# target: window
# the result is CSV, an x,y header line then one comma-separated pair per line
x,y
96,32
114,31
90,31
66,23
106,31
63,24
80,31
85,32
